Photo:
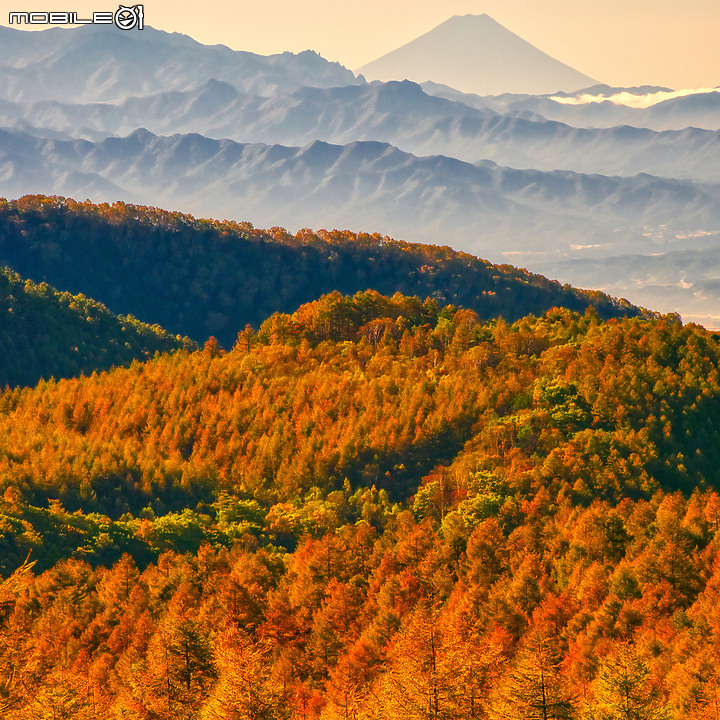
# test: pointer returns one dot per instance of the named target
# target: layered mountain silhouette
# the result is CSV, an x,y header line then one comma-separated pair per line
x,y
399,113
483,207
564,186
96,63
474,53
699,109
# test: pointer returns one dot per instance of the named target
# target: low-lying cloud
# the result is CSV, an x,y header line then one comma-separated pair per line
x,y
631,100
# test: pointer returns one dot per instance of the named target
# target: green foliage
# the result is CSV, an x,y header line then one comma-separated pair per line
x,y
373,505
625,691
45,333
537,689
204,277
480,507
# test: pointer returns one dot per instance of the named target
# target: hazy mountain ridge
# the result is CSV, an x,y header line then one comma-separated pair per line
x,y
700,110
397,113
98,64
407,180
324,185
218,109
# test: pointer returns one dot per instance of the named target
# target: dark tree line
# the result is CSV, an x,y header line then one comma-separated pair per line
x,y
204,277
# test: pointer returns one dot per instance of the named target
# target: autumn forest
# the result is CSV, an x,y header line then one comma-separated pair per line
x,y
249,475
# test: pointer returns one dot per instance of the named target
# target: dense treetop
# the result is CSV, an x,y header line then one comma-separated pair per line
x,y
421,402
374,506
45,333
202,277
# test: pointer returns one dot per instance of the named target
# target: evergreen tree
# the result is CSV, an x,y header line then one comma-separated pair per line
x,y
536,689
625,691
246,688
419,684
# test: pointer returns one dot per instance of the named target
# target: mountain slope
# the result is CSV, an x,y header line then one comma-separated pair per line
x,y
484,208
379,391
95,63
320,527
45,333
399,113
474,53
201,277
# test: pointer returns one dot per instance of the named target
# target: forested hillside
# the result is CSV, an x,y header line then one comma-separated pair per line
x,y
204,277
372,507
45,333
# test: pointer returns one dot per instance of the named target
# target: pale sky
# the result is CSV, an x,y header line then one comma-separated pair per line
x,y
674,43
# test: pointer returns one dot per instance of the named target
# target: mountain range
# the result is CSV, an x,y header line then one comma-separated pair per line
x,y
199,277
94,64
555,182
398,113
376,478
555,215
591,107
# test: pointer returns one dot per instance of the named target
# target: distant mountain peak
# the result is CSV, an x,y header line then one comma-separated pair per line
x,y
483,16
476,54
